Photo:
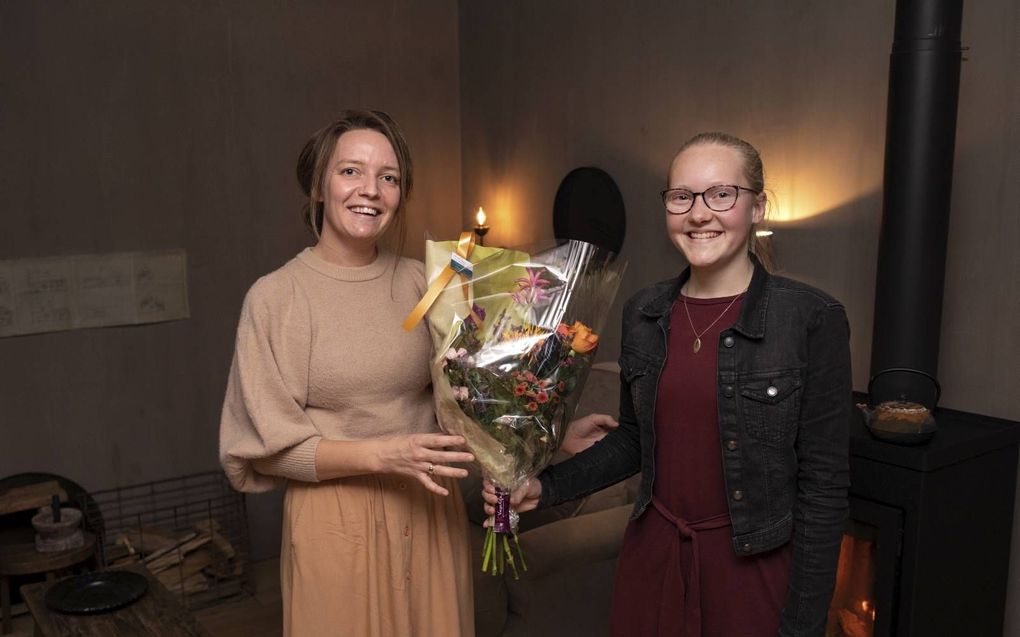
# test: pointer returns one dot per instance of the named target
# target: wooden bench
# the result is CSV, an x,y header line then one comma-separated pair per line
x,y
159,613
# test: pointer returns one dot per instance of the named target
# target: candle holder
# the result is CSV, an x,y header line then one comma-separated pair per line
x,y
480,231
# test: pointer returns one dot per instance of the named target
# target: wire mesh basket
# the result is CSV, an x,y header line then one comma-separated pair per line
x,y
191,532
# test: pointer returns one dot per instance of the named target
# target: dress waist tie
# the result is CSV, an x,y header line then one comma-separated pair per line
x,y
675,589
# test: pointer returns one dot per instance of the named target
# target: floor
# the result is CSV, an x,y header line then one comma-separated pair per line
x,y
257,615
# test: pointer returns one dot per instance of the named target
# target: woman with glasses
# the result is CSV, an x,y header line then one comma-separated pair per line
x,y
735,400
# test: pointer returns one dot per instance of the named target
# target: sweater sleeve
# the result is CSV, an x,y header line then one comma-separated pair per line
x,y
265,434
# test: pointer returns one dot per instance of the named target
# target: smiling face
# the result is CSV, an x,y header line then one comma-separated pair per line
x,y
361,195
713,243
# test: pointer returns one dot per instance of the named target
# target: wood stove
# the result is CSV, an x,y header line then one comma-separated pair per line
x,y
926,552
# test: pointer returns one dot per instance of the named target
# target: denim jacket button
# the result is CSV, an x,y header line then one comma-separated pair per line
x,y
772,391
746,548
731,444
728,391
728,341
738,495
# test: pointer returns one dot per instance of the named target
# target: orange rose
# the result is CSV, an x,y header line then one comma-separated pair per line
x,y
565,331
584,339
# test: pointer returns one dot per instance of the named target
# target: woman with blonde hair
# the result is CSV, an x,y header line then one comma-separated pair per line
x,y
735,404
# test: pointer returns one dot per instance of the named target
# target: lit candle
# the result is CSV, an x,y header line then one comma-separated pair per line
x,y
480,227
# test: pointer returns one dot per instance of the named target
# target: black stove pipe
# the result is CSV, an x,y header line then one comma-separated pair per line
x,y
924,86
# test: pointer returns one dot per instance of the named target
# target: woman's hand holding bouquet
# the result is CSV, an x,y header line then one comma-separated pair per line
x,y
581,434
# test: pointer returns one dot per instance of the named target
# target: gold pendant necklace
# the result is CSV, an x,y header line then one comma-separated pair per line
x,y
697,337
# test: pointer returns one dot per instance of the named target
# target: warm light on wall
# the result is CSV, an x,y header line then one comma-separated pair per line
x,y
799,190
793,202
508,219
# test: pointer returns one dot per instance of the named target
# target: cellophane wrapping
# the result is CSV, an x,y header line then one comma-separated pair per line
x,y
514,344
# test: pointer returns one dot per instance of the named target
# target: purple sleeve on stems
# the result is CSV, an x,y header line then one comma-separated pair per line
x,y
501,523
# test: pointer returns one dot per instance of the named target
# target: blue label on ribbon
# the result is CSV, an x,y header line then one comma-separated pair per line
x,y
460,265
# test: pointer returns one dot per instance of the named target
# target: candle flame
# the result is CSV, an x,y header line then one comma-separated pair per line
x,y
480,216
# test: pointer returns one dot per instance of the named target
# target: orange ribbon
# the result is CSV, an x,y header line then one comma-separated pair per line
x,y
458,264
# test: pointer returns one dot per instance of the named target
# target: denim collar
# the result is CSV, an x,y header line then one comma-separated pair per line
x,y
751,322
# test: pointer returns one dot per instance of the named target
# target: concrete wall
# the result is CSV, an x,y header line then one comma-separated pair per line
x,y
136,126
549,86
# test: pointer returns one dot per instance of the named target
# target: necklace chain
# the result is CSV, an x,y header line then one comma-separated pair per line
x,y
697,337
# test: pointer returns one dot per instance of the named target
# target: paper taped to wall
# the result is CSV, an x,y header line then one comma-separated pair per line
x,y
98,290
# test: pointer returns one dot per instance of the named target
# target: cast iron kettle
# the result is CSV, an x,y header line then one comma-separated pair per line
x,y
901,422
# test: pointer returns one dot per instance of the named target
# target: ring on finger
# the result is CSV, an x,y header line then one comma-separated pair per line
x,y
432,469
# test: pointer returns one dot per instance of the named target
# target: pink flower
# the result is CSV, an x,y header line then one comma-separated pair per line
x,y
532,406
542,397
533,280
530,288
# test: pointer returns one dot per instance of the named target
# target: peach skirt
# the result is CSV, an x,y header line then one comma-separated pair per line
x,y
374,556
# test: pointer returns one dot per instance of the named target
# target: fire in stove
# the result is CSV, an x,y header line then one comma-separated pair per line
x,y
852,611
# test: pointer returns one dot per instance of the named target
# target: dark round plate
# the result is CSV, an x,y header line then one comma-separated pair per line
x,y
96,592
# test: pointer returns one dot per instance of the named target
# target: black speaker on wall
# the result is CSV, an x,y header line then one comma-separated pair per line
x,y
589,207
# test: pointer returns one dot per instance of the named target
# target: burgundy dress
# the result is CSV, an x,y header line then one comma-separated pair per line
x,y
678,574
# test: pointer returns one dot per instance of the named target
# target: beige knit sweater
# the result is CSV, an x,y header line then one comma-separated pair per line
x,y
320,353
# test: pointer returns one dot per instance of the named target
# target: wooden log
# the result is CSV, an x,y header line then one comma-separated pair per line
x,y
149,539
31,496
227,566
187,576
192,563
195,583
164,551
221,542
176,554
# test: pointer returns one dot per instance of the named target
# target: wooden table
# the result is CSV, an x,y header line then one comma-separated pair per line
x,y
21,558
159,612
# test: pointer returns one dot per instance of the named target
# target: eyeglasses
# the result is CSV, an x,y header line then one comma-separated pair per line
x,y
679,201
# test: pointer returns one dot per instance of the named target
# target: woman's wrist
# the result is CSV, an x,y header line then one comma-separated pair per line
x,y
343,458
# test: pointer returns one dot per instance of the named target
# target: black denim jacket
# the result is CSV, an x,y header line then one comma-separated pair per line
x,y
784,393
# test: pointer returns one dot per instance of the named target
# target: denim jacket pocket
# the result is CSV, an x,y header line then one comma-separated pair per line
x,y
771,405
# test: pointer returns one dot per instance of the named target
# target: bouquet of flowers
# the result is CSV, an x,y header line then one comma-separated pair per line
x,y
515,337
